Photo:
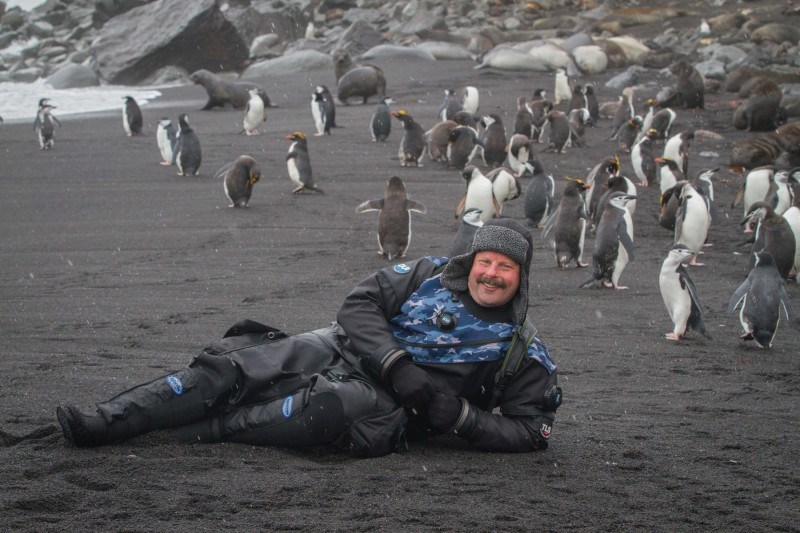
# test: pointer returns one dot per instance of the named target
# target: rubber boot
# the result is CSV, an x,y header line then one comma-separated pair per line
x,y
166,402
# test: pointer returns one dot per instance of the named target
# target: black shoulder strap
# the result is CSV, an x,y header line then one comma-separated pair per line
x,y
514,355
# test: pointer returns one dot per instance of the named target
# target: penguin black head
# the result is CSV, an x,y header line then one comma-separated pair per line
x,y
576,185
764,259
760,210
468,171
396,185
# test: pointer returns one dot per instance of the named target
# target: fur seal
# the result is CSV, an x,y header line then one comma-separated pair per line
x,y
760,111
238,179
394,221
689,90
222,92
437,139
462,145
361,82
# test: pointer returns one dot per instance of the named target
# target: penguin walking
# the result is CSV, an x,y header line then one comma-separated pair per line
x,y
394,221
761,296
669,173
523,120
450,106
470,100
479,195
680,294
568,225
692,221
254,113
412,145
520,152
505,187
562,91
44,124
613,243
299,164
462,242
131,117
538,196
556,132
238,178
380,125
643,159
167,140
189,154
494,141
462,146
773,235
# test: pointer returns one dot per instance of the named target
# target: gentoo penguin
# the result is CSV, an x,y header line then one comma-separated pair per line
x,y
755,188
613,243
677,148
689,90
167,140
523,120
662,122
462,242
479,194
669,173
394,221
43,125
494,140
773,235
462,146
450,106
680,294
519,152
597,180
189,154
380,125
643,159
562,91
319,112
692,221
591,103
578,120
628,133
760,111
556,132
568,225
577,100
437,139
299,164
762,295
238,179
131,117
505,187
538,195
254,113
412,145
470,100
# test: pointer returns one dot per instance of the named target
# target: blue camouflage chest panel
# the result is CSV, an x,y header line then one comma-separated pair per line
x,y
472,340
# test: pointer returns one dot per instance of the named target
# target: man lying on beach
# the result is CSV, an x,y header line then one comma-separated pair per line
x,y
418,349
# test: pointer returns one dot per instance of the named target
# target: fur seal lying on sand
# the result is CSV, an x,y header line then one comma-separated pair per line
x,y
760,112
356,80
222,92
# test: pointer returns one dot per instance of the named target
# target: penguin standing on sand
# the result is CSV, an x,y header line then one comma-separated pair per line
x,y
568,225
394,221
761,296
43,125
494,140
556,133
470,100
479,195
624,112
462,242
380,125
613,243
597,180
189,155
616,183
538,196
299,164
254,113
562,91
450,106
643,159
131,117
522,118
692,221
412,145
520,152
577,100
167,140
680,294
628,133
318,111
774,235
238,179
670,201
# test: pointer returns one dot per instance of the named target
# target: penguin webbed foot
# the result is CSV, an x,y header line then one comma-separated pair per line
x,y
673,336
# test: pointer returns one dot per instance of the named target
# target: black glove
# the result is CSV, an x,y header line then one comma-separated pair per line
x,y
413,384
443,411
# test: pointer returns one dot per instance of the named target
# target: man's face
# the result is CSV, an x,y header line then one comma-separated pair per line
x,y
494,279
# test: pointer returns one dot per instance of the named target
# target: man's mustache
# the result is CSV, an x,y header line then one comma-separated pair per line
x,y
491,282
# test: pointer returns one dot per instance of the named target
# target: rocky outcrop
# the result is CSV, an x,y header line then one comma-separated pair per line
x,y
192,35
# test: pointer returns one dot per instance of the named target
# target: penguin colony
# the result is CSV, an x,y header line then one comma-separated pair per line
x,y
648,140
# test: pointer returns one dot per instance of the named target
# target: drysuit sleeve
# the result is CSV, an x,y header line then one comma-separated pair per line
x,y
527,412
365,313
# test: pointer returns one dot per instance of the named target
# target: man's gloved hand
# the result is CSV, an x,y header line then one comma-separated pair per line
x,y
443,411
413,384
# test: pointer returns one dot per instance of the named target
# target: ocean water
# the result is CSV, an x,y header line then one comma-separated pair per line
x,y
20,101
25,5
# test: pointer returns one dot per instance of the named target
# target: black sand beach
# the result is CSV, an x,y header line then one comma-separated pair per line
x,y
114,270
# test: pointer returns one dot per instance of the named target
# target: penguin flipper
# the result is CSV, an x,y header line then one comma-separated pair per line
x,y
625,239
787,307
461,205
224,170
688,284
413,205
370,205
56,120
738,197
739,295
550,222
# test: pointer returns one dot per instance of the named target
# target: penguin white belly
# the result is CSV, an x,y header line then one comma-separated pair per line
x,y
676,299
756,188
666,179
178,162
672,150
225,186
319,116
294,172
480,195
636,163
696,222
125,122
255,114
792,216
784,199
631,206
581,239
619,264
471,100
164,145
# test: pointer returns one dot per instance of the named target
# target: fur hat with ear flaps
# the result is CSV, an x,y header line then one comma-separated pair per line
x,y
507,237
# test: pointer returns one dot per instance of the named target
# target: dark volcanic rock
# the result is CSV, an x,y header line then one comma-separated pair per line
x,y
191,35
108,9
